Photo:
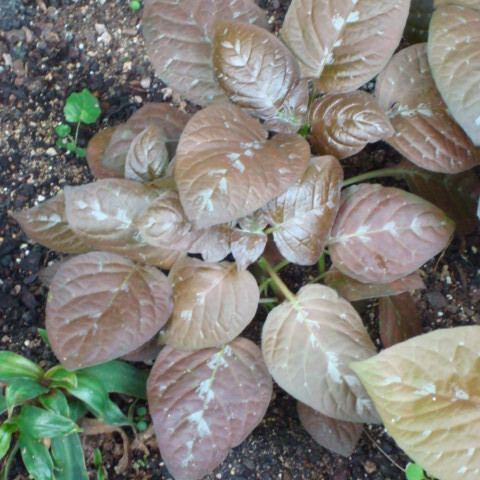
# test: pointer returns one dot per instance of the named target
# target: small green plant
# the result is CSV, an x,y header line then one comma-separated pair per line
x,y
135,5
97,462
415,472
80,108
43,410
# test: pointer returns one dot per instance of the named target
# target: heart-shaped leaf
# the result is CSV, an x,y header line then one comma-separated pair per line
x,y
247,247
103,214
47,224
456,194
399,319
453,45
226,168
167,118
255,68
343,43
436,377
303,216
382,234
353,290
213,303
147,158
178,38
424,131
102,306
343,123
339,437
95,152
203,403
308,344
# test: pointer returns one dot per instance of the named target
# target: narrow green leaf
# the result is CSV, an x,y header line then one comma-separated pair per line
x,y
63,130
114,416
36,457
120,377
56,402
59,376
69,460
82,107
20,390
16,366
77,409
5,438
39,423
91,392
43,333
3,403
414,472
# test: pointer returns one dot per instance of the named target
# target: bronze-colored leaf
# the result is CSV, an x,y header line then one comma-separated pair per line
x,y
343,123
95,152
225,167
424,131
303,216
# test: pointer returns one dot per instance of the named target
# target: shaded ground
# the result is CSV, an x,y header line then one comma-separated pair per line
x,y
50,48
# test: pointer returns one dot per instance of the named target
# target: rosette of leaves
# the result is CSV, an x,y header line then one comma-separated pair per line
x,y
200,195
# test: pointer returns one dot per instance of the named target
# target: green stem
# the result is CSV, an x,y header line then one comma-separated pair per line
x,y
277,280
382,172
321,263
280,265
268,300
8,464
76,133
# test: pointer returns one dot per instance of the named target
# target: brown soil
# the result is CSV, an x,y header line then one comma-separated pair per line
x,y
50,48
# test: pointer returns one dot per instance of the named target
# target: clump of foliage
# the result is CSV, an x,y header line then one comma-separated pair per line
x,y
79,108
45,409
203,195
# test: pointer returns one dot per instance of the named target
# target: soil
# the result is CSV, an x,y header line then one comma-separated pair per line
x,y
50,48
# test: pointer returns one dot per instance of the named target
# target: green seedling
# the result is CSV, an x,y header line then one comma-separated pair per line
x,y
97,462
415,472
80,108
135,5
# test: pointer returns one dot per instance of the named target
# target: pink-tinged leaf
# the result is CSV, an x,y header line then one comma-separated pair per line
x,y
308,344
147,158
353,290
213,303
204,403
424,131
382,234
103,214
427,392
456,194
399,319
462,3
255,69
342,43
303,216
95,152
339,437
247,247
225,167
145,353
167,118
453,46
178,38
102,306
47,224
343,123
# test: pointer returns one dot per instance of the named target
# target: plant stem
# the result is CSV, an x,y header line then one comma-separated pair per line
x,y
268,300
76,133
321,263
383,451
277,280
382,172
280,265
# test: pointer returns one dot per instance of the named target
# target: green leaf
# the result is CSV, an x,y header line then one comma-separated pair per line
x,y
63,130
15,366
120,377
77,409
80,152
39,423
59,376
91,392
60,143
69,460
5,438
36,457
82,107
71,146
135,5
414,472
114,416
3,403
43,333
56,402
20,390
